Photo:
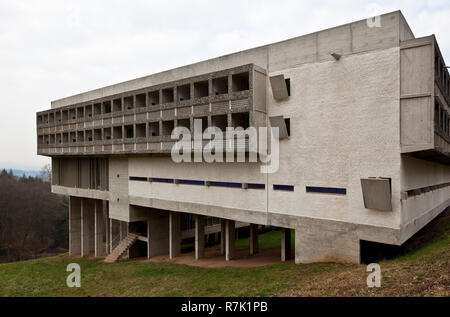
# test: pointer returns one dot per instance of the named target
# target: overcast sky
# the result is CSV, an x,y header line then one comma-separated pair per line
x,y
54,49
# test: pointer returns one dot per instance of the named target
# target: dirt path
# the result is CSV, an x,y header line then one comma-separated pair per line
x,y
213,259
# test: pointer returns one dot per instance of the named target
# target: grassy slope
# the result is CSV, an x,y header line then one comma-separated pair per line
x,y
422,272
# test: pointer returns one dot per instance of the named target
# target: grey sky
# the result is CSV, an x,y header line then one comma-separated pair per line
x,y
54,49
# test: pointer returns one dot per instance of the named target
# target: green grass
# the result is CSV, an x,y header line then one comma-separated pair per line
x,y
422,272
267,240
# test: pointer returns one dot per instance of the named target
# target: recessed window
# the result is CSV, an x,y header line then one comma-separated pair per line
x,y
107,106
162,180
255,186
129,131
117,133
240,82
97,134
288,85
128,103
138,179
201,89
107,133
167,95
153,128
117,105
80,112
220,85
140,101
141,131
220,121
97,109
167,127
190,182
288,188
184,92
240,120
326,190
184,123
225,184
287,121
153,97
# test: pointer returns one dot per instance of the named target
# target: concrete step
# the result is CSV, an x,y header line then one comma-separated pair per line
x,y
121,248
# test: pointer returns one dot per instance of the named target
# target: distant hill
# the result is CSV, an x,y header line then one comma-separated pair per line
x,y
27,173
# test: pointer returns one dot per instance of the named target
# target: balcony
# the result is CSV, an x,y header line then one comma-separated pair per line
x,y
142,121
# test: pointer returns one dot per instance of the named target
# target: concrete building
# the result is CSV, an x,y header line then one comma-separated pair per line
x,y
363,110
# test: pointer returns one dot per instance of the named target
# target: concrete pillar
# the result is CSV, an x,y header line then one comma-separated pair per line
x,y
110,235
174,234
85,244
98,222
199,237
285,244
230,240
90,205
107,227
254,245
121,231
158,233
74,226
222,236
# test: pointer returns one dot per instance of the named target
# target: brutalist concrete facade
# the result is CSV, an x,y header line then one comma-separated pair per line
x,y
366,157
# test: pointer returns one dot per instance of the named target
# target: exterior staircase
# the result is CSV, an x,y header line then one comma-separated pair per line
x,y
121,248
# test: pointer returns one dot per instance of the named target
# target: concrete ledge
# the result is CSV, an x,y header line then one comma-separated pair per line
x,y
80,192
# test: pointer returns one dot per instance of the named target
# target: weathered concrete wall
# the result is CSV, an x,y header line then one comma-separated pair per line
x,y
418,210
351,38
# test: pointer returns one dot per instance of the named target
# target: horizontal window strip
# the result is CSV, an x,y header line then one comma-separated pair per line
x,y
423,190
225,184
256,186
191,182
289,188
138,179
162,180
326,190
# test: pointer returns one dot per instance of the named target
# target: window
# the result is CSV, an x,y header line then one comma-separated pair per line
x,y
129,131
153,97
288,85
138,179
240,82
184,92
287,121
326,190
220,85
201,89
140,101
167,95
225,184
289,188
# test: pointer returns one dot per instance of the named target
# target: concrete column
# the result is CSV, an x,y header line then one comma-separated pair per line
x,y
254,245
91,212
84,228
199,237
158,233
222,236
121,231
110,235
230,240
174,234
98,221
74,226
285,244
107,227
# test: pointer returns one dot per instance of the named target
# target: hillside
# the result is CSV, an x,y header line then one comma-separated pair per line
x,y
422,271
